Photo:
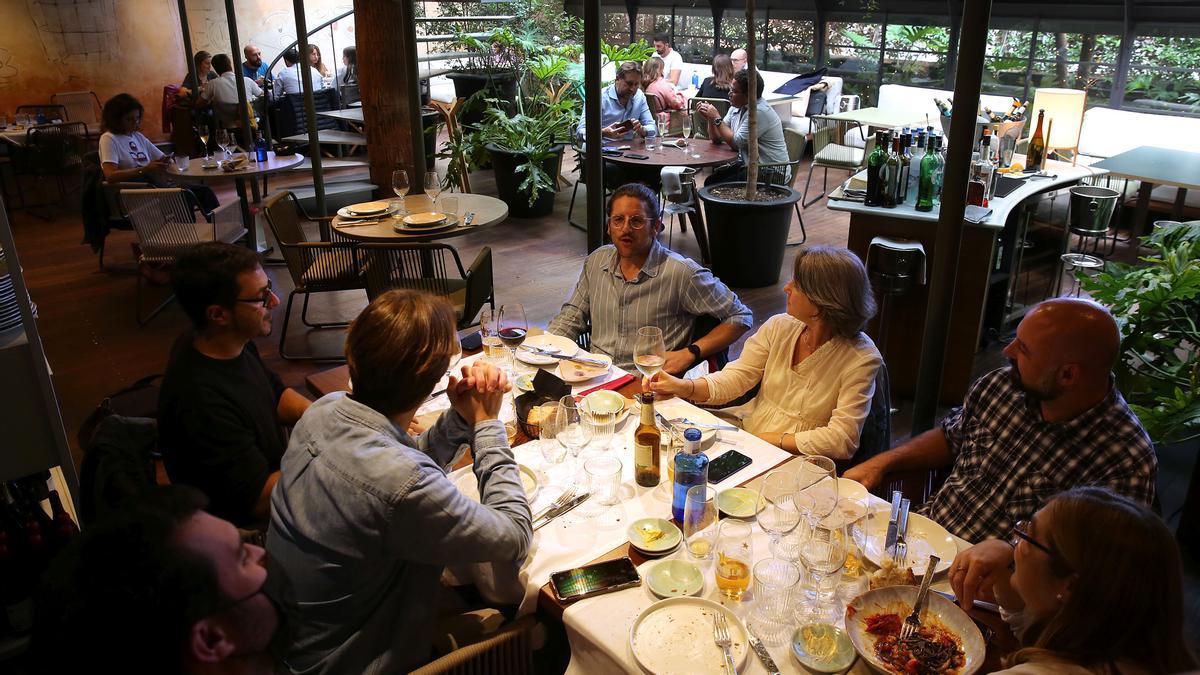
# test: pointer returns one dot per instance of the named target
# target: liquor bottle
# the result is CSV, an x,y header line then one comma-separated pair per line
x,y
16,600
939,174
695,80
646,445
64,527
875,170
914,171
691,469
987,170
1037,147
891,175
925,188
902,193
943,106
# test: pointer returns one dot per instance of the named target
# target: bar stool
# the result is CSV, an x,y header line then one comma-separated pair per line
x,y
1088,214
895,267
1073,262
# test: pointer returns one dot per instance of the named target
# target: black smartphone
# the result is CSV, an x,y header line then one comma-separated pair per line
x,y
634,155
472,342
594,579
612,152
726,465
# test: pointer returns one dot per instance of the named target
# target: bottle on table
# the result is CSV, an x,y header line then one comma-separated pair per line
x,y
939,173
875,170
902,193
926,185
260,148
647,440
891,174
691,469
914,175
695,80
1037,146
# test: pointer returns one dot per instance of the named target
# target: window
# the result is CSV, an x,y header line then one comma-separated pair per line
x,y
694,36
1005,62
853,50
790,46
916,55
648,24
1077,61
614,28
1164,74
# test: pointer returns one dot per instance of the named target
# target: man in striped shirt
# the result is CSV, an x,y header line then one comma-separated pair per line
x,y
636,282
1051,421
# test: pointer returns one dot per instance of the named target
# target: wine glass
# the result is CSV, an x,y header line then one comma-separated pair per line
x,y
664,128
223,142
685,129
818,485
824,553
569,429
513,326
649,351
735,555
400,186
204,141
433,186
778,511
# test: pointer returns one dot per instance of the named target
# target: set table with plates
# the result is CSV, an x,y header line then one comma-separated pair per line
x,y
421,219
18,135
609,633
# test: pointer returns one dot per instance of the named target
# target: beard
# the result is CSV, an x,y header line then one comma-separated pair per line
x,y
1043,391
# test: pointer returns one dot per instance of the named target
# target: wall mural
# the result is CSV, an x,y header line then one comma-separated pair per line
x,y
8,71
77,30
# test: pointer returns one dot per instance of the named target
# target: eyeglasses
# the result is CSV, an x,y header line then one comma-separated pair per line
x,y
634,222
1021,531
263,298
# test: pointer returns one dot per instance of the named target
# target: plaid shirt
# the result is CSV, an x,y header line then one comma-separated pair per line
x,y
1008,462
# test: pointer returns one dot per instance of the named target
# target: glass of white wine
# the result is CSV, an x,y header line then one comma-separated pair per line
x,y
649,351
400,186
204,141
433,187
685,129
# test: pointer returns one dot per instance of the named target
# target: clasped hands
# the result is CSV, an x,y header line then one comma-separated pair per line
x,y
478,392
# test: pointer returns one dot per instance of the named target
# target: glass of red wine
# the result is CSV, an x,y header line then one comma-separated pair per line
x,y
513,326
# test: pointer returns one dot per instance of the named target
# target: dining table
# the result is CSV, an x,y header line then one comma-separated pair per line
x,y
482,210
1154,166
598,628
18,135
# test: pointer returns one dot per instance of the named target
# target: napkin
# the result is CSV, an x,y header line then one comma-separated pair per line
x,y
614,385
234,164
676,142
671,184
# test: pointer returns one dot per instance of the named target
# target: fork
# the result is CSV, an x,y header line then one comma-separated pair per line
x,y
913,621
900,551
722,640
563,499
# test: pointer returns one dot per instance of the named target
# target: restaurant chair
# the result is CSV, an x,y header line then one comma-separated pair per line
x,y
829,154
580,166
876,435
80,106
510,650
53,150
795,142
114,217
166,226
700,122
424,266
315,266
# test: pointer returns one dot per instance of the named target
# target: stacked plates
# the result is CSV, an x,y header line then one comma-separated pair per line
x,y
654,536
10,311
364,211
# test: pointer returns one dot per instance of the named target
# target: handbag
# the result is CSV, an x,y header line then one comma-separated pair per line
x,y
816,99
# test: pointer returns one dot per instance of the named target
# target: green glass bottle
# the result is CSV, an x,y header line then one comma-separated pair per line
x,y
891,172
925,189
875,178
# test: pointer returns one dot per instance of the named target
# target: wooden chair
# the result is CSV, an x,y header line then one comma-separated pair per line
x,y
315,266
510,650
423,266
166,226
795,142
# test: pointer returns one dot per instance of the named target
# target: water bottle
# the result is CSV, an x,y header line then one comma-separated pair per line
x,y
41,117
691,469
695,80
260,148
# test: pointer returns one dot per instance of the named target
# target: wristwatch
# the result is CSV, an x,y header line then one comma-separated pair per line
x,y
695,352
718,122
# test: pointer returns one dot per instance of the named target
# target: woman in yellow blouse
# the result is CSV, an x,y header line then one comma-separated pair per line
x,y
815,366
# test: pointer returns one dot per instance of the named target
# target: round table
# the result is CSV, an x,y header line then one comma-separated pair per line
x,y
487,210
195,170
711,154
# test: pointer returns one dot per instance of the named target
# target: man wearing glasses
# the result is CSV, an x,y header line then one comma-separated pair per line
x,y
221,411
623,108
636,282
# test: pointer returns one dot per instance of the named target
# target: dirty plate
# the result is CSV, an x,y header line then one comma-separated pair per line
x,y
675,578
675,636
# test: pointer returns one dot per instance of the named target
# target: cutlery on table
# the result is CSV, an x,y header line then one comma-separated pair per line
x,y
563,499
901,553
889,541
554,355
563,511
721,638
913,621
699,425
981,604
763,655
360,223
468,219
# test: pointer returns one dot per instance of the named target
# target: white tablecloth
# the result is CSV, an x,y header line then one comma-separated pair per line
x,y
598,627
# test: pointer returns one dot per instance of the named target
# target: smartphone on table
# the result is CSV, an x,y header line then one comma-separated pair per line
x,y
594,579
726,465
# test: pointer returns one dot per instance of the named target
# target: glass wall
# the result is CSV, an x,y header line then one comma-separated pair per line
x,y
614,28
695,35
790,46
1077,61
649,24
916,55
1164,74
1005,63
853,55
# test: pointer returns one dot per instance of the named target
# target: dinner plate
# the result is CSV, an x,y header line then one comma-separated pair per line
x,y
427,219
369,208
346,214
739,502
574,373
450,224
899,600
674,579
653,535
924,537
468,484
556,343
674,636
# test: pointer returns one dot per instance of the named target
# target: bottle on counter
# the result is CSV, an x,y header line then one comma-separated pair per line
x,y
939,173
892,167
902,192
647,441
691,469
926,185
876,176
1036,154
914,175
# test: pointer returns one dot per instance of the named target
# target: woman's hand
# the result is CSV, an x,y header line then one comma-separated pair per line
x,y
478,394
666,385
981,571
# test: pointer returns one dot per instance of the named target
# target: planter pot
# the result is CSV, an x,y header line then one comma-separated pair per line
x,y
508,182
498,84
747,239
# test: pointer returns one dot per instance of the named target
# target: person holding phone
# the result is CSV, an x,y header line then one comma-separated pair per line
x,y
624,112
814,364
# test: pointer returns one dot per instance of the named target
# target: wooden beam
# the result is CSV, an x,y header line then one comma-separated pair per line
x,y
592,139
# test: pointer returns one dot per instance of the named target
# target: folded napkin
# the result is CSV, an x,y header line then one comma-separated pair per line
x,y
671,184
675,142
234,164
614,385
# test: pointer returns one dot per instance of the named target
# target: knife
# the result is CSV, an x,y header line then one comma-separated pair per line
x,y
981,604
563,511
575,359
763,655
889,542
468,219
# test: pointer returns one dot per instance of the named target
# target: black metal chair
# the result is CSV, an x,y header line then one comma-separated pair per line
x,y
423,266
52,150
785,172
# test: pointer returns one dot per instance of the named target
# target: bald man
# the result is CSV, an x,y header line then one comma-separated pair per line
x,y
738,56
1050,421
254,67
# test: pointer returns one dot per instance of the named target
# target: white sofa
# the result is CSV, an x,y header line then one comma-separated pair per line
x,y
792,112
919,102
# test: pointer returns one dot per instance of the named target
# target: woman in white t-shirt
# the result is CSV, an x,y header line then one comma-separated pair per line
x,y
128,156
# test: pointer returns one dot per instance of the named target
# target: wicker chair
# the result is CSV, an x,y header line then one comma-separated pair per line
x,y
315,266
510,650
422,266
80,106
166,226
795,144
829,154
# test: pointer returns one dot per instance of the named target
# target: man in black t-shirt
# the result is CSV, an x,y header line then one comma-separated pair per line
x,y
221,411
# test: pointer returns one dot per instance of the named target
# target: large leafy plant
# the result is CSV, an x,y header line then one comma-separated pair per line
x,y
1157,305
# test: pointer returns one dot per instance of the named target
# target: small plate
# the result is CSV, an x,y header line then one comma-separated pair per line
x,y
675,578
606,402
823,648
431,219
555,343
209,165
665,536
525,383
369,208
574,373
738,502
675,636
346,214
468,484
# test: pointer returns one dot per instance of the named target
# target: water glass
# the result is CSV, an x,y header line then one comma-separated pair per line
x,y
700,521
602,423
450,207
735,555
1008,144
824,553
494,351
604,478
775,583
181,162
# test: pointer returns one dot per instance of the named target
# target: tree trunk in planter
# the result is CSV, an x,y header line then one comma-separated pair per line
x,y
747,239
508,182
501,85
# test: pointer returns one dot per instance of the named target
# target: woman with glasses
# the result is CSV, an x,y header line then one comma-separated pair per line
x,y
814,366
1092,584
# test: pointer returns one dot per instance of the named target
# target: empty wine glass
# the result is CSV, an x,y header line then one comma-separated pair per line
x,y
433,186
569,429
400,186
818,485
778,511
649,351
223,142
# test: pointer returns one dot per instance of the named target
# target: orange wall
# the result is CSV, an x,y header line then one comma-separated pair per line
x,y
105,46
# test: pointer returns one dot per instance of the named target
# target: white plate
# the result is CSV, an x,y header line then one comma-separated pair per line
x,y
346,214
468,484
676,636
451,223
924,537
367,209
565,347
574,373
899,600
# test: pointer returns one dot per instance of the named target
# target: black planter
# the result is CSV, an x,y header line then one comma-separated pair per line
x,y
499,84
508,182
747,239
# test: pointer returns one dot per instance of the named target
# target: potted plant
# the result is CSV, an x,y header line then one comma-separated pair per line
x,y
1157,305
490,71
747,225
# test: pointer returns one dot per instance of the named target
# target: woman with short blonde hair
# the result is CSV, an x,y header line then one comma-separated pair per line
x,y
814,366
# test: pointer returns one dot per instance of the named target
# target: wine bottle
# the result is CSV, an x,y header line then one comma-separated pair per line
x,y
902,192
1037,146
891,175
875,170
939,174
925,188
691,469
647,440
